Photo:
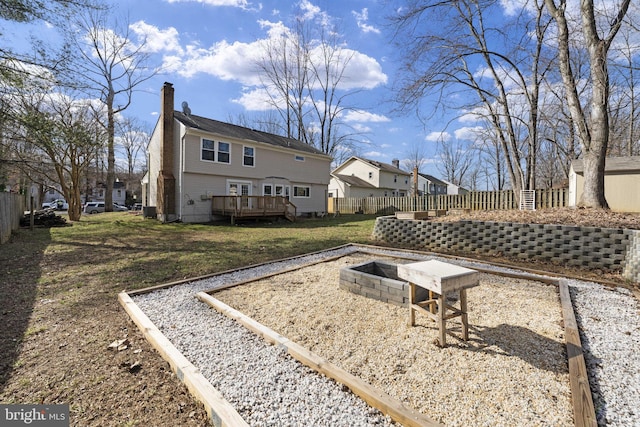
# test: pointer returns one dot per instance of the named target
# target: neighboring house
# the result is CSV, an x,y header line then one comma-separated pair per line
x,y
621,183
430,185
455,189
118,194
193,158
358,177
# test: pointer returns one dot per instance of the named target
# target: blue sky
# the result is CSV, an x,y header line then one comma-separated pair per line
x,y
208,50
210,46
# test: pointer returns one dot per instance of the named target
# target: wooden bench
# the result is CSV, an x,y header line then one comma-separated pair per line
x,y
439,278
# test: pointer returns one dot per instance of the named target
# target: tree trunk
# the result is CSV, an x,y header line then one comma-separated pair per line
x,y
111,158
593,190
594,157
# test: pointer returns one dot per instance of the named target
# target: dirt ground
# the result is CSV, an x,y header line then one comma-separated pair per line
x,y
55,350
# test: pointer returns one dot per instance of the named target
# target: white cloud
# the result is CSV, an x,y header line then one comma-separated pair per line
x,y
237,61
438,137
514,7
312,12
254,100
373,154
363,72
364,117
360,128
469,133
472,116
361,20
157,40
244,4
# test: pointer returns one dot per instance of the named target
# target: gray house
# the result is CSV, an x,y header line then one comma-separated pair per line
x,y
194,161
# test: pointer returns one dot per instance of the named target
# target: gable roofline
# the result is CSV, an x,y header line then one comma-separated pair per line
x,y
353,181
385,167
432,178
229,130
612,164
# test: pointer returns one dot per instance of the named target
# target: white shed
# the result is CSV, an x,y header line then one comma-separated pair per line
x,y
621,183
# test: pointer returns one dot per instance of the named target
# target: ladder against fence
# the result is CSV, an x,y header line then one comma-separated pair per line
x,y
475,201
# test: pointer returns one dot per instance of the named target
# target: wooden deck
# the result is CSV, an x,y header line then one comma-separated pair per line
x,y
253,207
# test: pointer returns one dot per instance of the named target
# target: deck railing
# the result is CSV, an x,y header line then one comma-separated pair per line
x,y
253,206
475,201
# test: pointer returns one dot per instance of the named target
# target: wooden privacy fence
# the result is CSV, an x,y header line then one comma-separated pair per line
x,y
11,210
475,201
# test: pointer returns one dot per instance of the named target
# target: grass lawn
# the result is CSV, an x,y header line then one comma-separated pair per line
x,y
59,309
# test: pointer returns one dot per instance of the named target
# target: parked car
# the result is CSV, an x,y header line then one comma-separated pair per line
x,y
93,207
58,204
119,208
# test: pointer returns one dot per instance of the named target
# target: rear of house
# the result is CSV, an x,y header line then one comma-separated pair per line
x,y
193,158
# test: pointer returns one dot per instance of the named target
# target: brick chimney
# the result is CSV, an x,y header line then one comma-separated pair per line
x,y
166,208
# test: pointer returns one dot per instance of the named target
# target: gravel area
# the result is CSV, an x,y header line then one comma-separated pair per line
x,y
513,371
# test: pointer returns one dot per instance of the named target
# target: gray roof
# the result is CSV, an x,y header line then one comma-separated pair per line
x,y
612,164
432,179
243,133
354,181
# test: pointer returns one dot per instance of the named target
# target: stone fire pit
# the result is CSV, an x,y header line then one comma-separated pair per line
x,y
378,280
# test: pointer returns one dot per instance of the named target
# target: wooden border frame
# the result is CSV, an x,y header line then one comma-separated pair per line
x,y
374,397
223,414
220,411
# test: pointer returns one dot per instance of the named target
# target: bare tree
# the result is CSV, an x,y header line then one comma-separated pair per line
x,y
284,72
113,66
268,121
624,133
456,160
416,157
441,59
132,138
593,128
304,79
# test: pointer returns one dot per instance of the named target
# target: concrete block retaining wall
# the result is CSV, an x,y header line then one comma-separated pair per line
x,y
632,261
589,247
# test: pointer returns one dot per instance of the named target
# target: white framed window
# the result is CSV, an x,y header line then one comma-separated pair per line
x,y
213,151
301,191
395,178
283,190
248,156
267,189
224,152
299,158
208,151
